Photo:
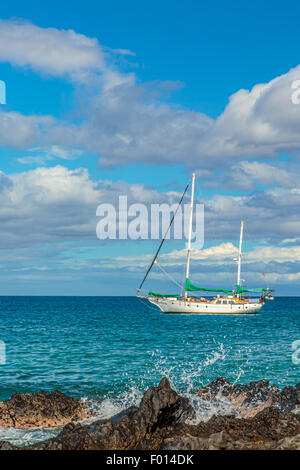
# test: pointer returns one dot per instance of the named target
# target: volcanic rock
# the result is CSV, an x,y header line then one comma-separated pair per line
x,y
248,400
163,421
47,409
161,406
289,443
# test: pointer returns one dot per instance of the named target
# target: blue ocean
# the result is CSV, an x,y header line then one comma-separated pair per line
x,y
109,350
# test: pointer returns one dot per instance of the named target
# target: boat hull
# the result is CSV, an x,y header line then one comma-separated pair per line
x,y
205,308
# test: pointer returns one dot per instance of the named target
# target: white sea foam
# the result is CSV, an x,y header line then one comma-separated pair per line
x,y
206,409
184,381
26,437
109,406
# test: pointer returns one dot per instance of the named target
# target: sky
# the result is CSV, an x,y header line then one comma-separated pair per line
x,y
109,99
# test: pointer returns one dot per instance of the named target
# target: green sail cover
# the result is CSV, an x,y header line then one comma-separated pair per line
x,y
191,287
240,290
155,294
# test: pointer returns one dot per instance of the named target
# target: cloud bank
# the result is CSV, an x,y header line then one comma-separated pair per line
x,y
59,204
253,147
123,121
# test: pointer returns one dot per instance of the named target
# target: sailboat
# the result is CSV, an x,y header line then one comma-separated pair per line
x,y
231,301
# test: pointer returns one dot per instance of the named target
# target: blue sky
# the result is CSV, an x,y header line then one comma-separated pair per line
x,y
213,48
129,98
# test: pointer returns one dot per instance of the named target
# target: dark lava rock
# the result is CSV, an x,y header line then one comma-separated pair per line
x,y
161,406
248,400
4,445
298,393
135,428
162,422
270,424
289,443
269,429
47,409
217,441
120,432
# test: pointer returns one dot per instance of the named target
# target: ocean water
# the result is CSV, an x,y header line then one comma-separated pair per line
x,y
109,350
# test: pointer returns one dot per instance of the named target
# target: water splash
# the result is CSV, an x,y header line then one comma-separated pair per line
x,y
26,437
206,409
195,373
109,406
185,381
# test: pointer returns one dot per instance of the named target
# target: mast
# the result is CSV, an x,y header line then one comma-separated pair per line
x,y
190,232
240,256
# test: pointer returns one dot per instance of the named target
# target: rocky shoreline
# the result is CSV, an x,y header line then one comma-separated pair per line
x,y
264,417
42,409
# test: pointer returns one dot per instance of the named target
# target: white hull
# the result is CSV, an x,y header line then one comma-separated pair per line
x,y
206,308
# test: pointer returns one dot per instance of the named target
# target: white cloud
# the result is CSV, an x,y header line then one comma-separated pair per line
x,y
34,160
291,240
56,204
123,52
246,175
267,174
215,255
49,50
259,123
19,131
215,266
284,278
45,155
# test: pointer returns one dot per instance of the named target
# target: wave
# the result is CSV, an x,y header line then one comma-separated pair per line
x,y
185,382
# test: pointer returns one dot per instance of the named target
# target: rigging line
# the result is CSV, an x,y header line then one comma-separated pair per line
x,y
169,275
162,242
183,280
